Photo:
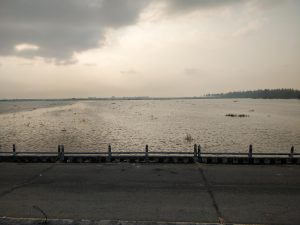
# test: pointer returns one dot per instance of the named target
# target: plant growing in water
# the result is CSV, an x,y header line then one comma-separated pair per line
x,y
188,138
236,115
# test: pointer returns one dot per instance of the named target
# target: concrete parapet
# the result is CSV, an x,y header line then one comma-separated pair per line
x,y
267,161
102,158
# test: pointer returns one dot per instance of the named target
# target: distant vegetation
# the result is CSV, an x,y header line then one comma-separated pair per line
x,y
236,115
266,93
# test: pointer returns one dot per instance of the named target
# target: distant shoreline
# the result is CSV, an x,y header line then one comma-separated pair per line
x,y
135,98
256,94
11,106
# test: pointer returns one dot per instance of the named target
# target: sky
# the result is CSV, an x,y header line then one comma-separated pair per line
x,y
168,48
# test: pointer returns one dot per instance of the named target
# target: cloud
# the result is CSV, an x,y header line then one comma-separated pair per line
x,y
90,64
26,64
56,29
130,72
61,27
183,6
191,71
26,47
250,28
186,6
263,4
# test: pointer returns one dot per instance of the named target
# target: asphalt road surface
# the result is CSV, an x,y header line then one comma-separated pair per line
x,y
152,192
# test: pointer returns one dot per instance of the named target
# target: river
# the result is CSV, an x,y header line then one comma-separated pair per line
x,y
128,125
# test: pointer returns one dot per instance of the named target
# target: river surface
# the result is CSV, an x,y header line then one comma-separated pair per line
x,y
128,125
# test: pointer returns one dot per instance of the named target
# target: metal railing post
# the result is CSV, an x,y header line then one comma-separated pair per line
x,y
109,151
195,153
195,150
62,153
292,152
58,151
250,151
199,151
146,152
14,150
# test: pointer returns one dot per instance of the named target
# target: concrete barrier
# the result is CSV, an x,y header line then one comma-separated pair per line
x,y
22,158
197,156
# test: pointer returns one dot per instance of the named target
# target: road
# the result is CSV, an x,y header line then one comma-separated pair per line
x,y
152,192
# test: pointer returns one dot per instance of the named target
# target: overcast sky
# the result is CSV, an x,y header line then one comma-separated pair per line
x,y
102,48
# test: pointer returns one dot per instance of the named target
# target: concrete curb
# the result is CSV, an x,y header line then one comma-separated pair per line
x,y
23,158
39,221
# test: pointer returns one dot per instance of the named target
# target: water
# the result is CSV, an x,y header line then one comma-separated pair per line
x,y
272,125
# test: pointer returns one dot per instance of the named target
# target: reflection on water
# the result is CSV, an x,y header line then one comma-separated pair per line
x,y
272,125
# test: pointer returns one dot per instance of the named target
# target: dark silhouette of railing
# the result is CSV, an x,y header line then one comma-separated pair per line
x,y
197,155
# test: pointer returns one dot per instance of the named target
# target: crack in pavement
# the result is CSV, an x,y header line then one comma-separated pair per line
x,y
211,194
25,183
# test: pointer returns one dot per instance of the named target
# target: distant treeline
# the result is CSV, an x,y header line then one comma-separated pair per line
x,y
266,93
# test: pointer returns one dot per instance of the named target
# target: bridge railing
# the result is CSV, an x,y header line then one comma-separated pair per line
x,y
197,155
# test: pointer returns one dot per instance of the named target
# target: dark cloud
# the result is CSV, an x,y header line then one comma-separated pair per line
x,y
183,6
61,27
179,6
265,4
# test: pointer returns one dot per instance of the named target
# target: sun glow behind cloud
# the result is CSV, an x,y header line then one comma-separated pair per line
x,y
26,47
